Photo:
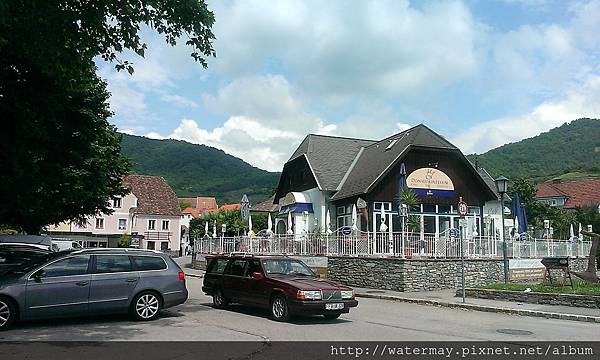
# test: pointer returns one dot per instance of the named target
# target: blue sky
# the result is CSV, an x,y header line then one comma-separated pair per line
x,y
482,73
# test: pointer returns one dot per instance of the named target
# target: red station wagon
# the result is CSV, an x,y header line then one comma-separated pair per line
x,y
284,285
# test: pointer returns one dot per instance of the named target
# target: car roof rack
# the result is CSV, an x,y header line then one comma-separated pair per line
x,y
117,250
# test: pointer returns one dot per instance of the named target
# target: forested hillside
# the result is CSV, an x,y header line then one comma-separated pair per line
x,y
569,151
199,170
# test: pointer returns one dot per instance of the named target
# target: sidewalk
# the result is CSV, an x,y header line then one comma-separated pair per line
x,y
446,298
185,262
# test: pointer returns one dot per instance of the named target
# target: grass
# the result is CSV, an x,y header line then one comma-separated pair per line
x,y
579,288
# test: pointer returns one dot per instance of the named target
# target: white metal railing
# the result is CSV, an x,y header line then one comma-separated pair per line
x,y
407,245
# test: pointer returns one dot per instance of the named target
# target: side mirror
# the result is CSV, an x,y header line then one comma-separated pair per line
x,y
257,276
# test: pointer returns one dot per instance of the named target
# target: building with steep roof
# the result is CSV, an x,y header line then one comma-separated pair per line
x,y
150,212
569,194
333,174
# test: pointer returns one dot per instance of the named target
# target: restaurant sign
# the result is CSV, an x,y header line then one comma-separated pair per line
x,y
430,182
526,269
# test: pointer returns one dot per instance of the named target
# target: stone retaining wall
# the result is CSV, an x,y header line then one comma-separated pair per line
x,y
587,301
418,274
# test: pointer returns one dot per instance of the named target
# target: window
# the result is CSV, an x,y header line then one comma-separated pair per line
x,y
236,268
122,224
144,263
165,224
429,208
151,224
150,245
76,265
387,206
253,266
112,263
99,223
217,266
473,210
164,245
116,203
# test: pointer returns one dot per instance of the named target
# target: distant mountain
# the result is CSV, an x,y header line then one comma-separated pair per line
x,y
199,170
569,151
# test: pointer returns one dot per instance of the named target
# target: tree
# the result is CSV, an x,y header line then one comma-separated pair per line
x,y
60,158
410,199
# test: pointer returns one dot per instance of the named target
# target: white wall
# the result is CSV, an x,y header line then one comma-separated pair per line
x,y
140,226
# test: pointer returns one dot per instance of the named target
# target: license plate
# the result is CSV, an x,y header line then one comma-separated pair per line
x,y
334,306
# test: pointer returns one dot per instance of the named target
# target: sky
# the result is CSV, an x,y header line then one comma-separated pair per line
x,y
481,73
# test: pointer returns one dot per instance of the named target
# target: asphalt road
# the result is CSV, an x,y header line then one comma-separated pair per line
x,y
372,320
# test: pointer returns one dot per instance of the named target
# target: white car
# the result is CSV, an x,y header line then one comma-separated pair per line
x,y
62,245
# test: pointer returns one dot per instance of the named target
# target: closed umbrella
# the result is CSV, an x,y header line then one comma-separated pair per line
x,y
516,234
354,218
383,227
290,231
269,225
571,233
579,234
249,223
206,228
328,222
215,228
518,211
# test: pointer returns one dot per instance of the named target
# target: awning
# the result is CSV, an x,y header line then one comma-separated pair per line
x,y
296,208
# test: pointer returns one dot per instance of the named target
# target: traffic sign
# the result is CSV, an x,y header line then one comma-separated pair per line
x,y
454,233
347,230
462,208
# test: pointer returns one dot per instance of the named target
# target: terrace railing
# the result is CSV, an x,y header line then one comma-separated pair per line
x,y
406,245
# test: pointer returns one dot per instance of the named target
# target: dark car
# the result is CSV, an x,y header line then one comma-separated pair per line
x,y
284,285
36,284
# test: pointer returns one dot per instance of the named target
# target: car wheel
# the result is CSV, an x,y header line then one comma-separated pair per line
x,y
332,316
219,301
279,309
146,306
7,314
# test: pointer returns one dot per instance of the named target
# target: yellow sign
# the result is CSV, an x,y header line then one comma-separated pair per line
x,y
429,178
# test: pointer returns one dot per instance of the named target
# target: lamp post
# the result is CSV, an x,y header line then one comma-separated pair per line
x,y
501,185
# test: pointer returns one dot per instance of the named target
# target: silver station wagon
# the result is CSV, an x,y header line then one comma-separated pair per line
x,y
36,284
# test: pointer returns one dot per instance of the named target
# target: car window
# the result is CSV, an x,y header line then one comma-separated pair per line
x,y
236,267
287,267
112,263
149,263
217,266
253,266
75,265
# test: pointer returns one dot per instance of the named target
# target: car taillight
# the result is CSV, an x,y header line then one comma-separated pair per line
x,y
181,276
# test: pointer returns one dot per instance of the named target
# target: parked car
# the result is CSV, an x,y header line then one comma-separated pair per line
x,y
284,285
87,282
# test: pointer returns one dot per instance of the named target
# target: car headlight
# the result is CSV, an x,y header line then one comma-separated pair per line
x,y
309,295
347,294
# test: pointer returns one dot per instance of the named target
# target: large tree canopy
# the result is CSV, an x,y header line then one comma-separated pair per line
x,y
60,158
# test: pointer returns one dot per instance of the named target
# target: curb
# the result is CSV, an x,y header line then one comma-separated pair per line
x,y
484,308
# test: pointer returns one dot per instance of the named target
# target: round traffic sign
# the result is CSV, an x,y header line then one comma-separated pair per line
x,y
462,208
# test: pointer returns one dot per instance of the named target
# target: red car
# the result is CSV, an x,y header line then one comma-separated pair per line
x,y
284,285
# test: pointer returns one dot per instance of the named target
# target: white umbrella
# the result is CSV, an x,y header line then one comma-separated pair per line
x,y
290,231
516,227
571,233
215,229
383,227
206,228
328,222
579,234
249,223
269,225
354,218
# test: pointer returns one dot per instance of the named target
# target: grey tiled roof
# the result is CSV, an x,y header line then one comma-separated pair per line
x,y
379,157
330,157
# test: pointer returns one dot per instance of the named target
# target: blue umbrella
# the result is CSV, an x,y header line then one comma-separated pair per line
x,y
519,212
402,179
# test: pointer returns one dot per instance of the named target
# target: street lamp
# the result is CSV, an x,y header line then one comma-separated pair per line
x,y
502,185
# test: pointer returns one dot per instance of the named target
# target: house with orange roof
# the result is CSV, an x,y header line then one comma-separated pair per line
x,y
569,194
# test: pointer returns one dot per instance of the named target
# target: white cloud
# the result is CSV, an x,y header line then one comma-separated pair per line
x,y
179,100
584,102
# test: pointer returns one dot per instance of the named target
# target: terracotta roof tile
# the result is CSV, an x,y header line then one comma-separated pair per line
x,y
201,202
155,196
578,193
265,206
228,207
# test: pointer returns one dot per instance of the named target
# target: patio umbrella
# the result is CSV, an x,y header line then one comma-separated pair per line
x,y
354,218
269,225
579,234
249,223
383,227
518,211
215,228
290,231
516,228
328,222
571,233
206,228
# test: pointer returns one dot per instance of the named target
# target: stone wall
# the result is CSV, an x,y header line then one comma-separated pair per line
x,y
587,301
418,274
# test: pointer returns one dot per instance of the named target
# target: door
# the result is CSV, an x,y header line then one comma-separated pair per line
x,y
253,290
59,289
113,283
233,279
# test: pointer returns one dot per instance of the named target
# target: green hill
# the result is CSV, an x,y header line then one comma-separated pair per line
x,y
570,151
199,170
